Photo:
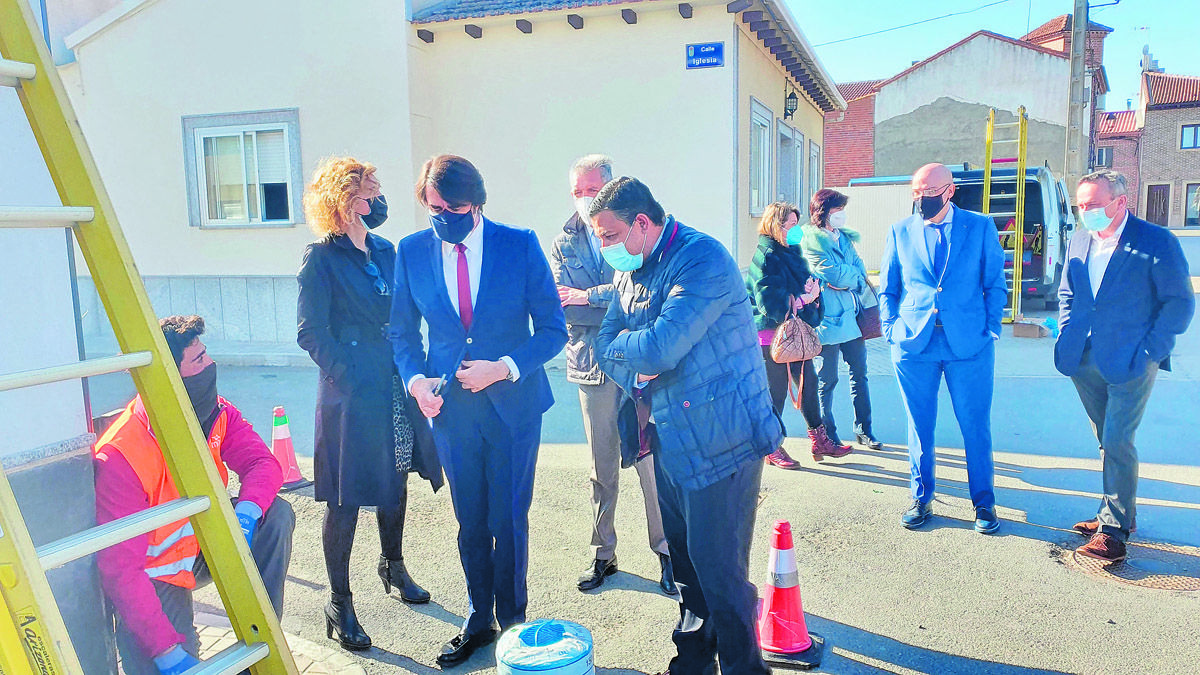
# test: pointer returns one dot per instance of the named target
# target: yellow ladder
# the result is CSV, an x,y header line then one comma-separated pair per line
x,y
33,637
1012,241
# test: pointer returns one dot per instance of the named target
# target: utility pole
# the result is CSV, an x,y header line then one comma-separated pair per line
x,y
1077,141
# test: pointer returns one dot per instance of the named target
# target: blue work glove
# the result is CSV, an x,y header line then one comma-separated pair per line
x,y
248,513
175,661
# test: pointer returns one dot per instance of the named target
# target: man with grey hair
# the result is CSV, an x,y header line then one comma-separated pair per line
x,y
585,286
1125,295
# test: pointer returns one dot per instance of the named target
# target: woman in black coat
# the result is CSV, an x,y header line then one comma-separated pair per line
x,y
779,281
365,441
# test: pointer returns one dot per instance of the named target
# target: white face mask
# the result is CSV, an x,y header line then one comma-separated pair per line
x,y
581,207
837,220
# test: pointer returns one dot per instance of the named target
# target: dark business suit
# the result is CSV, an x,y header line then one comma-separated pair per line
x,y
945,327
487,441
1114,340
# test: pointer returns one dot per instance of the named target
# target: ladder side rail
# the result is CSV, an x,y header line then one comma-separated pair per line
x,y
987,161
1019,243
118,283
28,599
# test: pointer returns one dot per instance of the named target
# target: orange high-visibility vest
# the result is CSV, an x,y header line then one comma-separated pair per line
x,y
173,548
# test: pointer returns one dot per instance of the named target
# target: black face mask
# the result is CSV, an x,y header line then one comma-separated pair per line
x,y
378,213
202,391
452,228
929,207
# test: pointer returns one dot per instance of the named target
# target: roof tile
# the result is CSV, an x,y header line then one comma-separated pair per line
x,y
1171,89
1057,26
852,91
1119,123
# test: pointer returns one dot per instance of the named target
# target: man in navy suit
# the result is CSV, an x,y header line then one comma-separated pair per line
x,y
1125,295
941,302
477,284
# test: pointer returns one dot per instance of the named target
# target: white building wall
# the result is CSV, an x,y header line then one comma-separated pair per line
x,y
343,67
523,107
37,324
984,71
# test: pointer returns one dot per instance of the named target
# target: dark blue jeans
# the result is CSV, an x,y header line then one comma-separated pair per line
x,y
709,533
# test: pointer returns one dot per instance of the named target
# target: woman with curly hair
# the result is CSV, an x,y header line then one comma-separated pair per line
x,y
778,282
364,441
828,246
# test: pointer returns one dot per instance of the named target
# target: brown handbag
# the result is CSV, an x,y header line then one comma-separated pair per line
x,y
794,340
869,323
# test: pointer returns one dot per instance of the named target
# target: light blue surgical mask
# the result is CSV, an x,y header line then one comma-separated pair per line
x,y
1096,220
620,258
795,234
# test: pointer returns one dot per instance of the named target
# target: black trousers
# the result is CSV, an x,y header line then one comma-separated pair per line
x,y
272,551
777,382
709,533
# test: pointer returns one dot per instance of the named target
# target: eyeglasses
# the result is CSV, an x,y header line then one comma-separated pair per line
x,y
932,192
372,270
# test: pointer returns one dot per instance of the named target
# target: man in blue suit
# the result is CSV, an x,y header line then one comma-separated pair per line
x,y
1125,294
477,284
941,303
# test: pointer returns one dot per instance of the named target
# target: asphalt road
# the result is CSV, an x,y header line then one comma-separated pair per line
x,y
942,599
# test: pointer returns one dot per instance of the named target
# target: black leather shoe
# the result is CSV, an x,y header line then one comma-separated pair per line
x,y
462,646
340,619
594,575
392,573
868,439
667,583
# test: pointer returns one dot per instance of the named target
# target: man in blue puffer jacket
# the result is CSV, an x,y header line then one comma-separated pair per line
x,y
679,337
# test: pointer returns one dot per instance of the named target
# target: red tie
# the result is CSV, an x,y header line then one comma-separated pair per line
x,y
464,287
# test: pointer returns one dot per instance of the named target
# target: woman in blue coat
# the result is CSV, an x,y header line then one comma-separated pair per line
x,y
828,247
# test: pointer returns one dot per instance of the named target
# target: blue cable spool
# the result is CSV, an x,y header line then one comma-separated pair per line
x,y
545,646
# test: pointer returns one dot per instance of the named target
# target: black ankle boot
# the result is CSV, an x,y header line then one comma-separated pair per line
x,y
340,619
866,438
392,573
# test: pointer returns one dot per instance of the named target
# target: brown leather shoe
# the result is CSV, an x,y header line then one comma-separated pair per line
x,y
1103,547
1089,527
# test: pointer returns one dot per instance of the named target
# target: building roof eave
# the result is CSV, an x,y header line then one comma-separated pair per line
x,y
812,63
104,21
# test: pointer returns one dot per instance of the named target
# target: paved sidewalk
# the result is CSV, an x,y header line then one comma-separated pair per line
x,y
311,658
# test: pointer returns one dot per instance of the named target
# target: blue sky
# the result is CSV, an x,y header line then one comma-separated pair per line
x,y
1170,27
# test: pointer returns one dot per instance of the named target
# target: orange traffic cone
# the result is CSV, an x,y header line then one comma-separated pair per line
x,y
782,633
281,447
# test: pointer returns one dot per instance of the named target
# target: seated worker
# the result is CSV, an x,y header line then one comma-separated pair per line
x,y
149,579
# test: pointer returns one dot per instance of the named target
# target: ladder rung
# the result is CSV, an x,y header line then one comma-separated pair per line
x,y
1005,140
233,659
1006,125
45,216
12,71
74,371
1001,214
76,546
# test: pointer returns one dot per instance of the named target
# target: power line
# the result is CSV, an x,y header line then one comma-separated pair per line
x,y
915,23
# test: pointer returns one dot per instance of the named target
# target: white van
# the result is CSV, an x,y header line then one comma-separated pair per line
x,y
876,203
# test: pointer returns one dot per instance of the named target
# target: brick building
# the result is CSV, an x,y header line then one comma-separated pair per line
x,y
1118,141
931,112
1168,117
850,135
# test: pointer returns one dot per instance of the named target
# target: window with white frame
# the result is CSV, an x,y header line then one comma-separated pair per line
x,y
815,179
760,157
1104,157
243,169
790,150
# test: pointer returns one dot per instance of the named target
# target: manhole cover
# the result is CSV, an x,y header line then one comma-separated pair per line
x,y
1148,565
